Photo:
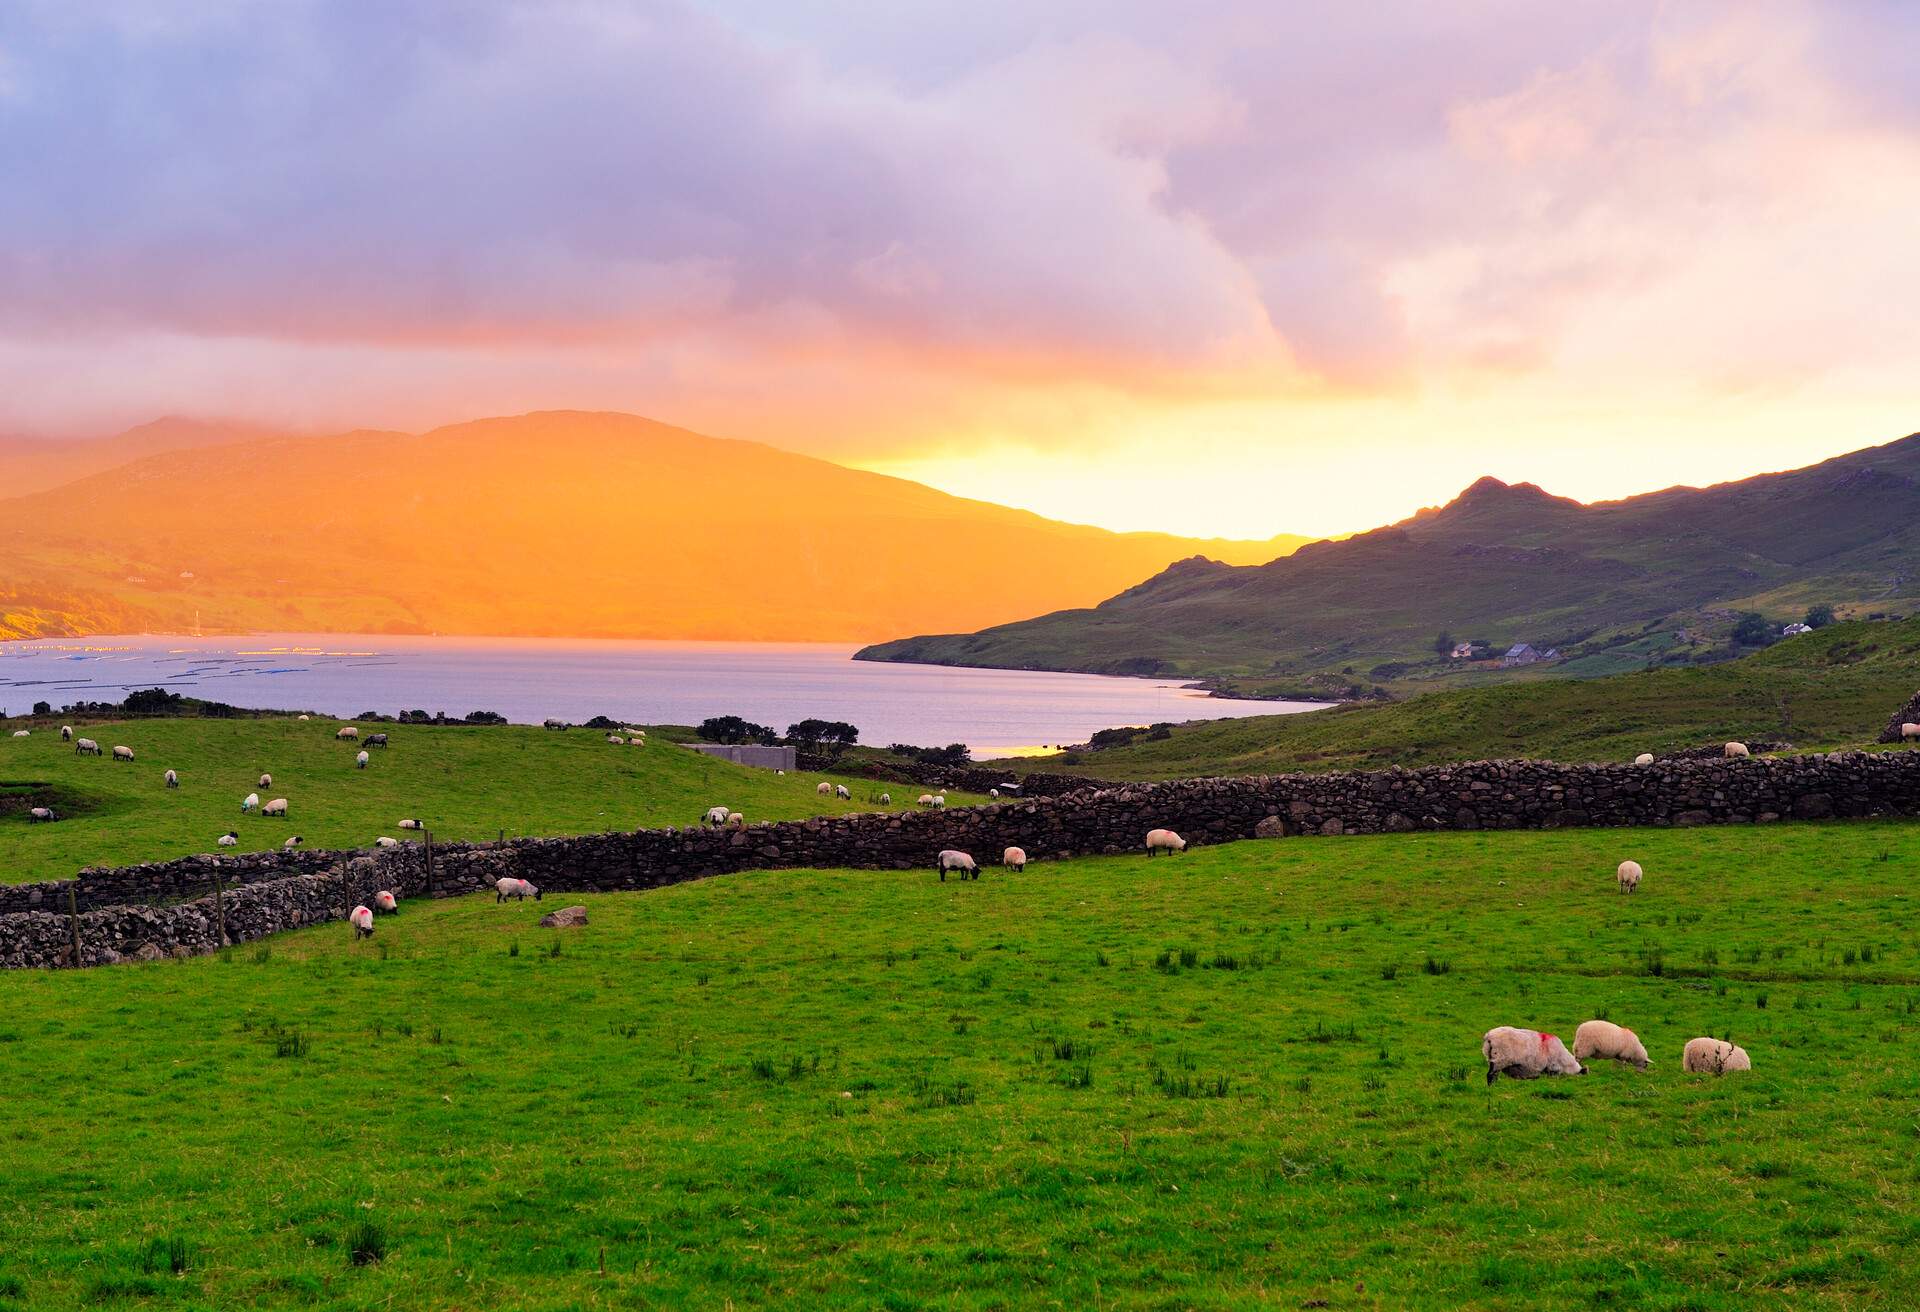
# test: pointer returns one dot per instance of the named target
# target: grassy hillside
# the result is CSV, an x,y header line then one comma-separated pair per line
x,y
466,782
1247,1077
1831,688
1651,577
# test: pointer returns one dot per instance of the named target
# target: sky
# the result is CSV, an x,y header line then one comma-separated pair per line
x,y
1234,268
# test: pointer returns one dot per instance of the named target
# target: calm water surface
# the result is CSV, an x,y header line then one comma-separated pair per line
x,y
527,680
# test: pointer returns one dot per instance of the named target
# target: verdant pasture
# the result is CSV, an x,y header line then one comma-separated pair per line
x,y
467,782
1246,1077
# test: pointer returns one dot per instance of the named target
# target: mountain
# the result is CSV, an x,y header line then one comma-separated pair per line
x,y
552,524
1613,585
29,465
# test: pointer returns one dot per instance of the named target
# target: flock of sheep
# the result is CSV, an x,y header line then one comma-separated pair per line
x,y
1522,1054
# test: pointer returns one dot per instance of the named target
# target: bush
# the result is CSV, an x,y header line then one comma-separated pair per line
x,y
1752,630
1818,617
732,729
485,717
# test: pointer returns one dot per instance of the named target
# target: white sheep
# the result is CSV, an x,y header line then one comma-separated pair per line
x,y
1629,877
939,801
1526,1054
266,781
886,799
1645,758
1910,731
615,738
41,815
926,799
248,802
384,841
517,889
1606,1041
1014,858
303,718
23,733
824,789
346,733
1164,840
412,824
86,747
173,780
278,806
1714,1057
66,733
362,920
842,792
361,760
955,860
636,742
1735,749
293,841
993,793
123,753
716,816
735,820
384,901
229,839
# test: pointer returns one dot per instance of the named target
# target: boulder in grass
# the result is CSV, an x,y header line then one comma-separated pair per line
x,y
564,918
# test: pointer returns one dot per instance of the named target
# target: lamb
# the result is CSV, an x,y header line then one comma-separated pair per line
x,y
1164,840
347,732
362,920
278,806
842,792
1736,749
413,824
229,839
376,740
173,780
1014,858
716,816
1526,1054
384,901
293,841
123,753
86,747
266,781
1629,876
384,841
361,759
248,802
66,733
1645,758
23,733
1714,1057
41,815
1909,731
1609,1042
960,861
824,789
735,820
517,889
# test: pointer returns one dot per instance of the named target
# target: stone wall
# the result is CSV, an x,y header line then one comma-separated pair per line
x,y
1907,714
1477,795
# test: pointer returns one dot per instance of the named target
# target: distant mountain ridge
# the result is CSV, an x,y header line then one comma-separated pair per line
x,y
1618,583
560,523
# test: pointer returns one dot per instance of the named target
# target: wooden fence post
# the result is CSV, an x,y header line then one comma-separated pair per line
x,y
73,918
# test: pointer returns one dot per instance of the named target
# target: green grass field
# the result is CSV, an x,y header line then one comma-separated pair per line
x,y
466,782
1829,689
1248,1077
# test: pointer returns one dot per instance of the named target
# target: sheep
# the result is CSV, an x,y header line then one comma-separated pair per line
x,y
886,799
1909,731
66,733
1526,1054
517,889
23,733
636,742
278,806
824,789
376,740
615,738
1164,840
385,901
1735,749
293,841
735,820
1714,1057
554,724
384,841
842,792
716,816
266,781
926,799
362,923
41,815
1629,876
939,801
86,747
361,759
1609,1042
123,753
1014,858
173,780
960,861
347,732
303,718
413,824
229,839
248,802
1645,758
780,773
993,793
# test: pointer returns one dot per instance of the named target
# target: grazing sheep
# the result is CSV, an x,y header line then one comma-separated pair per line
x,y
554,724
1645,758
824,789
294,841
385,901
303,718
173,780
841,791
886,799
384,841
926,799
413,824
348,732
716,816
1526,1054
229,839
781,773
23,733
1015,858
123,753
66,733
86,747
1609,1042
376,740
1629,876
517,889
361,759
1714,1057
362,920
993,792
735,820
636,742
616,738
41,815
960,861
266,781
1164,840
939,801
248,802
1908,731
278,806
1736,749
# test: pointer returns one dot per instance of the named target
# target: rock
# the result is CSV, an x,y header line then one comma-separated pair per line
x,y
1271,827
564,918
147,952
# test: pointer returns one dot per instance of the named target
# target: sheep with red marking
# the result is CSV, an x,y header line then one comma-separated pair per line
x,y
362,920
385,901
1526,1054
517,889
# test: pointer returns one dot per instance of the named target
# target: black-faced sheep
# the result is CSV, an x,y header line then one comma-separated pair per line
x,y
362,920
248,802
715,816
86,747
278,806
266,781
413,824
517,889
293,841
1014,858
123,753
41,815
229,839
348,732
376,740
957,861
173,780
361,758
66,733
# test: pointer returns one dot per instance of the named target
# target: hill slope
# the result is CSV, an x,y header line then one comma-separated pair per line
x,y
29,465
554,524
1507,563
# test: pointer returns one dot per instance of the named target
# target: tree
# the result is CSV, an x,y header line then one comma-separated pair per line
x,y
1443,644
733,729
1752,630
1818,617
835,735
43,708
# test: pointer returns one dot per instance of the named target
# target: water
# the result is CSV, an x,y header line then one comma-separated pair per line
x,y
995,712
